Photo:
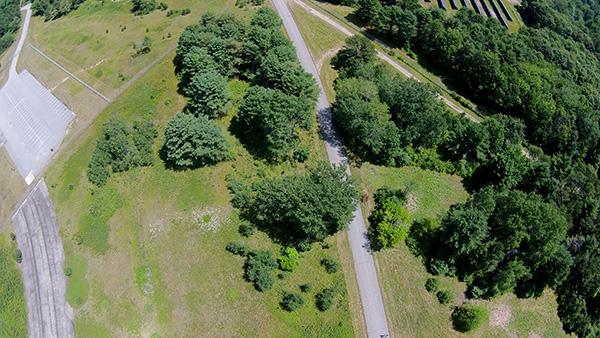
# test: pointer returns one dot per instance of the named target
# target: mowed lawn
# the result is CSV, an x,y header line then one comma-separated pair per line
x,y
411,310
147,250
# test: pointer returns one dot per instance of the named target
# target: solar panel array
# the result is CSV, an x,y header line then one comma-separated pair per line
x,y
491,8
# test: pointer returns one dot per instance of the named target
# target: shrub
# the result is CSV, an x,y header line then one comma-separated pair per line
x,y
18,256
445,296
246,229
325,299
432,285
390,221
469,317
288,261
237,249
143,7
292,301
68,271
306,287
259,269
330,265
208,94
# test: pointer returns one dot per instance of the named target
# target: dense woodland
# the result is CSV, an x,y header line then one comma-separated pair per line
x,y
10,18
532,165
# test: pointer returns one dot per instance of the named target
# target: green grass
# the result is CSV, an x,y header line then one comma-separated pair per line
x,y
320,38
13,316
412,311
150,266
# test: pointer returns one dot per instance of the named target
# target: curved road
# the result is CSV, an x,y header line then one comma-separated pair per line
x,y
366,274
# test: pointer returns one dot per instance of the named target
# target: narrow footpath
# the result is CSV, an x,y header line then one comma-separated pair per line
x,y
364,265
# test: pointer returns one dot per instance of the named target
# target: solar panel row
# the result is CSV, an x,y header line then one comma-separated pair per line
x,y
491,8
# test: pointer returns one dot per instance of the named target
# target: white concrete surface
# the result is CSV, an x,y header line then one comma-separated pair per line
x,y
366,273
33,122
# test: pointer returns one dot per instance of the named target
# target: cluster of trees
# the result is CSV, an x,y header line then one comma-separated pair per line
x,y
52,9
548,80
10,18
121,148
279,104
298,210
534,218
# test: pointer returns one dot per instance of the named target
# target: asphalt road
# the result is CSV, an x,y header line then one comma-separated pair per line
x,y
364,265
48,313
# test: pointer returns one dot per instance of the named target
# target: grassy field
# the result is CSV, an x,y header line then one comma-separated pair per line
x,y
152,260
412,311
13,316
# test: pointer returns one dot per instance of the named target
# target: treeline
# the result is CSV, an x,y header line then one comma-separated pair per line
x,y
278,106
533,220
10,18
52,9
550,82
575,19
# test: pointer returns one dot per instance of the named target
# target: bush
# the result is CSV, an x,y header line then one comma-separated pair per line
x,y
390,221
432,285
237,249
468,317
259,269
445,296
288,261
330,265
246,229
18,255
292,302
68,271
143,7
325,299
306,287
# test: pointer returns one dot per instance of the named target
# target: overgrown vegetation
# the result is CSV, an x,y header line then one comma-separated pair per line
x,y
53,9
390,220
10,18
12,302
121,148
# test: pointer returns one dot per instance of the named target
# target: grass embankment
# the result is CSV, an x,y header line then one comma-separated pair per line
x,y
411,310
153,259
13,315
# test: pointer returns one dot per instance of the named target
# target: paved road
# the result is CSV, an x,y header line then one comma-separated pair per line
x,y
366,274
383,56
48,313
13,63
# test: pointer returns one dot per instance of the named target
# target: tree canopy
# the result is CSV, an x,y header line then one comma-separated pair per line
x,y
300,209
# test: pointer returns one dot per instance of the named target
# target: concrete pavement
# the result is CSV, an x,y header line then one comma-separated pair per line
x,y
48,313
364,265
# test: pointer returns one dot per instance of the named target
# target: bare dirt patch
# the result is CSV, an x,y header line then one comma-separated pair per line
x,y
500,316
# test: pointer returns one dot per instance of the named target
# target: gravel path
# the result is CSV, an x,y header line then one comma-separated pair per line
x,y
366,274
48,313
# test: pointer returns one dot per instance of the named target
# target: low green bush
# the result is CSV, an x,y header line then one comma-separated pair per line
x,y
469,317
292,302
432,285
325,299
445,296
330,265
